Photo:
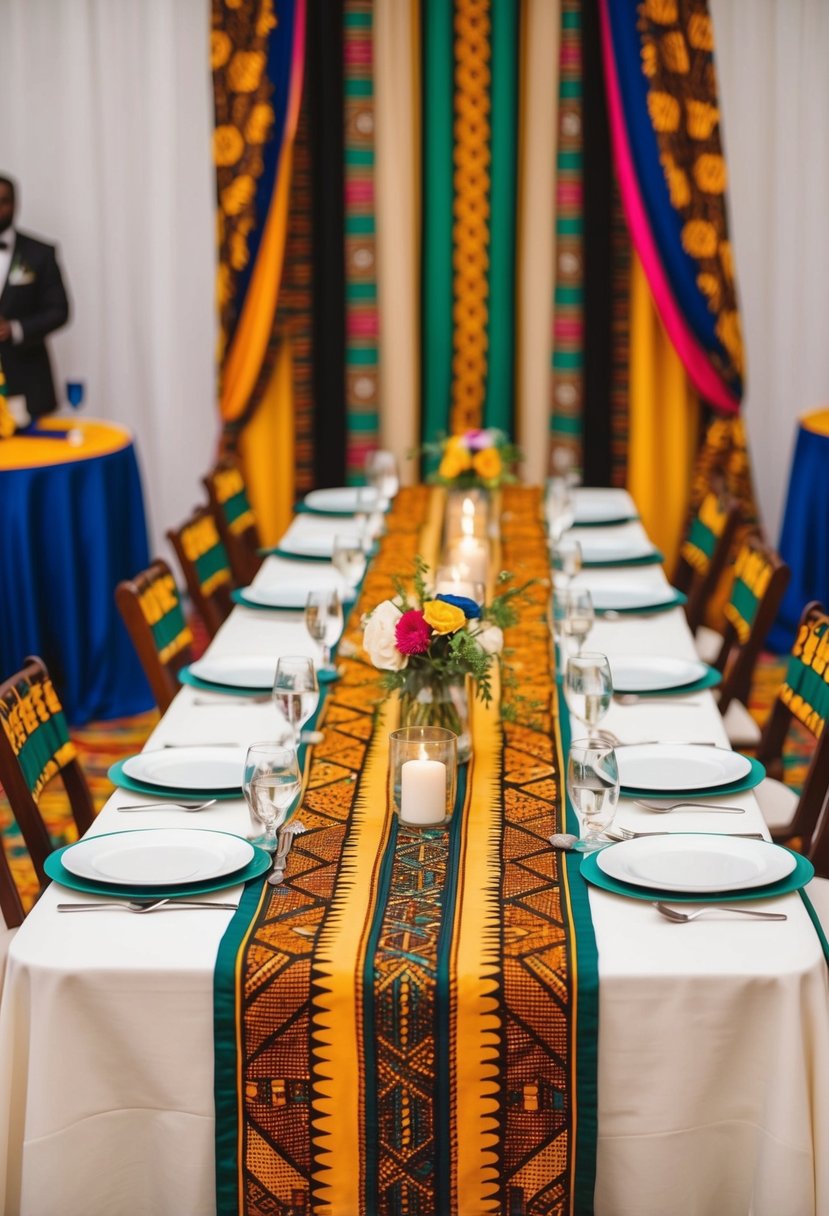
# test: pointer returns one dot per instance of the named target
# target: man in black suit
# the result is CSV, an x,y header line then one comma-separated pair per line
x,y
33,303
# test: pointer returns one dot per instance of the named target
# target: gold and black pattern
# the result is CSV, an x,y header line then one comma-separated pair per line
x,y
32,717
805,690
677,49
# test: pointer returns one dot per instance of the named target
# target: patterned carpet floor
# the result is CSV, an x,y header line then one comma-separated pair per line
x,y
101,744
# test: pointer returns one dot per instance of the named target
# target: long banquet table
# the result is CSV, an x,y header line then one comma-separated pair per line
x,y
713,1038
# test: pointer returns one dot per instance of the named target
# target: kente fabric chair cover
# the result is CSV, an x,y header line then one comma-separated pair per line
x,y
35,747
235,520
205,565
704,552
151,607
804,696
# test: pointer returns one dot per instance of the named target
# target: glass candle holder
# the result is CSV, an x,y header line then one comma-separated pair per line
x,y
467,514
423,775
470,556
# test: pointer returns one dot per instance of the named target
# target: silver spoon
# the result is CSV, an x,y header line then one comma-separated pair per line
x,y
662,808
283,848
182,806
681,918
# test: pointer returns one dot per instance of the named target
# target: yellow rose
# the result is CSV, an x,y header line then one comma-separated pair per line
x,y
259,123
709,172
238,194
245,71
487,463
451,466
443,618
220,48
228,145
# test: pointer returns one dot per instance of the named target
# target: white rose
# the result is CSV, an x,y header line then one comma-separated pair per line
x,y
379,641
490,639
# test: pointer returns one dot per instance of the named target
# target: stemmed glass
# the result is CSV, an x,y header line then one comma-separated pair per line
x,y
560,508
324,622
381,472
348,557
568,558
593,786
578,616
296,692
588,688
271,782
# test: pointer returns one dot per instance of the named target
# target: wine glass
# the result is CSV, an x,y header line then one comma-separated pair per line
x,y
271,782
381,472
560,508
349,559
568,558
324,622
296,692
588,687
578,615
593,786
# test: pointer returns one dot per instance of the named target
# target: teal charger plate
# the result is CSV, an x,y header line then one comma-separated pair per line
x,y
185,676
54,867
711,679
118,777
649,559
802,873
752,778
239,597
675,601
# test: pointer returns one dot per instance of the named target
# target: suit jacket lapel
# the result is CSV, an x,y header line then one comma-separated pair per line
x,y
4,285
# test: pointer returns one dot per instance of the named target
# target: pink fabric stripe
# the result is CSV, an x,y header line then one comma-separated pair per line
x,y
568,329
362,325
694,357
361,191
357,52
569,192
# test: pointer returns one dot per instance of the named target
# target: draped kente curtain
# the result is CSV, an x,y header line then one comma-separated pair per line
x,y
444,214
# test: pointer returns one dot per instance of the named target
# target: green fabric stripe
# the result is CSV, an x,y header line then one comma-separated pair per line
x,y
211,563
571,21
167,629
569,296
570,161
360,225
359,88
42,744
744,602
586,1063
359,157
570,90
564,360
236,506
563,424
357,20
361,291
500,386
570,227
363,424
361,357
437,98
805,682
815,919
702,538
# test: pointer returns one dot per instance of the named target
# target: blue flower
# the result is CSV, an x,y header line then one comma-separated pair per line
x,y
468,607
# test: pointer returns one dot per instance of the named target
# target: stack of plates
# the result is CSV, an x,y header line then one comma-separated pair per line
x,y
340,500
610,550
157,862
600,507
174,772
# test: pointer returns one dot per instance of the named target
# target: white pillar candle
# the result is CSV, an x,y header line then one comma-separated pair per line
x,y
455,587
422,792
471,555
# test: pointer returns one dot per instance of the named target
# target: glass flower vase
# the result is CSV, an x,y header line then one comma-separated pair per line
x,y
429,699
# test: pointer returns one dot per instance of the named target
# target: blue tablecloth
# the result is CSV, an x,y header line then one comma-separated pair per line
x,y
804,539
73,527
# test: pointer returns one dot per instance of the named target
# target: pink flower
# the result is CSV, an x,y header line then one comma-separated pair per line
x,y
412,634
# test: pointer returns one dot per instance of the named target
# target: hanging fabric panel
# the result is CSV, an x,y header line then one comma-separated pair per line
x,y
361,313
664,117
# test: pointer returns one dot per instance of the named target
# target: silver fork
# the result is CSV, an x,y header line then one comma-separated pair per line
x,y
181,806
662,808
681,918
141,906
283,848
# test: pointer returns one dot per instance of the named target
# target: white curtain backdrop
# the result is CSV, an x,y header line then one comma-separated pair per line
x,y
105,123
774,94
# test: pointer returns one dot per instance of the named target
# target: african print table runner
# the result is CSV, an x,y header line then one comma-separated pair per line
x,y
408,1024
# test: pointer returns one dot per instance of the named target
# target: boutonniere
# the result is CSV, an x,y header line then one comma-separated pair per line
x,y
20,275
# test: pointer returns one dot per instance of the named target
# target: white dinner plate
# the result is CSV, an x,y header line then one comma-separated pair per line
x,y
289,595
189,768
653,673
310,545
237,671
597,506
679,766
157,856
618,599
609,549
340,498
696,863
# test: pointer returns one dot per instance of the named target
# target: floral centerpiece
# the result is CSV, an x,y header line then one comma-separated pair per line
x,y
428,644
478,459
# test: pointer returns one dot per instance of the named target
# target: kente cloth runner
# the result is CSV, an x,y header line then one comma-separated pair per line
x,y
408,1024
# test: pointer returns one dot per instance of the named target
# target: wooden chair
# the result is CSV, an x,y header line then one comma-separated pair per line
x,y
205,565
803,696
152,612
235,520
704,552
760,580
34,748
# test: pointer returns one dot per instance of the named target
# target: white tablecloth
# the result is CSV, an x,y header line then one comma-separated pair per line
x,y
713,1041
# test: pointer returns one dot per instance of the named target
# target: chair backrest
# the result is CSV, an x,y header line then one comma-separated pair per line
x,y
704,552
235,519
205,565
804,696
35,747
760,580
151,607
